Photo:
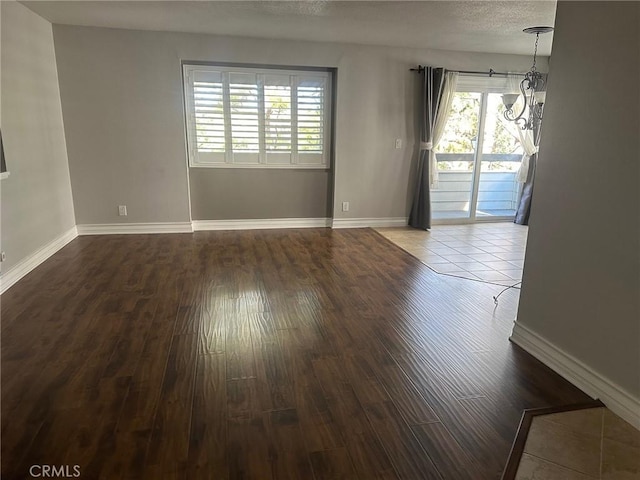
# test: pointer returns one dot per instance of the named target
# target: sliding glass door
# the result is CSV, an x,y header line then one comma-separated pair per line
x,y
478,159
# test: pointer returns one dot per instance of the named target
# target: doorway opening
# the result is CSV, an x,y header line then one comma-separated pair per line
x,y
478,158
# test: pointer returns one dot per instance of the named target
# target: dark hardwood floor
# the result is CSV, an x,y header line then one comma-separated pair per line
x,y
310,354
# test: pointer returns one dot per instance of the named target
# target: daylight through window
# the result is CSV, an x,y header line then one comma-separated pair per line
x,y
257,118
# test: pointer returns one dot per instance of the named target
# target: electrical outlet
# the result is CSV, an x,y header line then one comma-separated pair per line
x,y
345,206
3,256
398,143
122,210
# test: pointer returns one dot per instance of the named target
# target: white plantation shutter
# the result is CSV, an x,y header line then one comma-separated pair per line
x,y
278,119
207,116
245,117
311,101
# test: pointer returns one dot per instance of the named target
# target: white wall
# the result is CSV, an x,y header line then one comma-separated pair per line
x,y
581,289
122,103
37,205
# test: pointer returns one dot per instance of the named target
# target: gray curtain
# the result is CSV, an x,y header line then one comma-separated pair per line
x,y
432,88
524,206
3,165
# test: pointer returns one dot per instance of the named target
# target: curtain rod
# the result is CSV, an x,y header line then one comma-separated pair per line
x,y
491,72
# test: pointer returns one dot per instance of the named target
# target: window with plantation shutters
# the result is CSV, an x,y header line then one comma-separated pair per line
x,y
257,118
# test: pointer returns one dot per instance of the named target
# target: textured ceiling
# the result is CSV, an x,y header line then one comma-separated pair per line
x,y
476,26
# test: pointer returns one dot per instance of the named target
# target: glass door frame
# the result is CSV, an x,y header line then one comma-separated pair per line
x,y
477,160
484,92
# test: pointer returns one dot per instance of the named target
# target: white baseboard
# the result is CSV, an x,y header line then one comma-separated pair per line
x,y
618,400
134,228
248,224
369,222
260,223
26,265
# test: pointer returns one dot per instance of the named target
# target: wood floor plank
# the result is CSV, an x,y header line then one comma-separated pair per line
x,y
408,457
370,459
332,464
478,436
211,338
91,442
359,369
311,353
330,374
410,403
321,431
169,444
449,457
274,375
208,432
289,458
243,400
495,412
248,449
239,349
132,339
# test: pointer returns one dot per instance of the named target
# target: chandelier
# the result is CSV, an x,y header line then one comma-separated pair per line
x,y
532,89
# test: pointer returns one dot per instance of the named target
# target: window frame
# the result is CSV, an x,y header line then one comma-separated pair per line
x,y
483,86
293,159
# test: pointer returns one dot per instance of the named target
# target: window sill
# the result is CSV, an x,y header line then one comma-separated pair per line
x,y
4,175
260,166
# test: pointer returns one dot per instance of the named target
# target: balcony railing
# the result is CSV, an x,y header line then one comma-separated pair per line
x,y
498,189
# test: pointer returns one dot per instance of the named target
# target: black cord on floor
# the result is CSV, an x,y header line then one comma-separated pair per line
x,y
495,298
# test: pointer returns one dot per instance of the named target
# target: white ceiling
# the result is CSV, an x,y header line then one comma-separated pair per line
x,y
476,25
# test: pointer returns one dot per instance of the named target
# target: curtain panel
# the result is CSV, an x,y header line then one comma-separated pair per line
x,y
437,90
529,139
524,206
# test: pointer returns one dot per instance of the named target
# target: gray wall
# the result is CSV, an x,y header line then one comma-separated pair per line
x,y
122,102
122,105
37,206
222,194
581,287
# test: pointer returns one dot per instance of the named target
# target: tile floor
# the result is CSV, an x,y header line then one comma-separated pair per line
x,y
490,252
581,445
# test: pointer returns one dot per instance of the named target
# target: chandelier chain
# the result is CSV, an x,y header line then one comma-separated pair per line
x,y
535,52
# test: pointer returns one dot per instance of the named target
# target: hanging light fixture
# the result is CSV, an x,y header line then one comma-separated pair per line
x,y
532,89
